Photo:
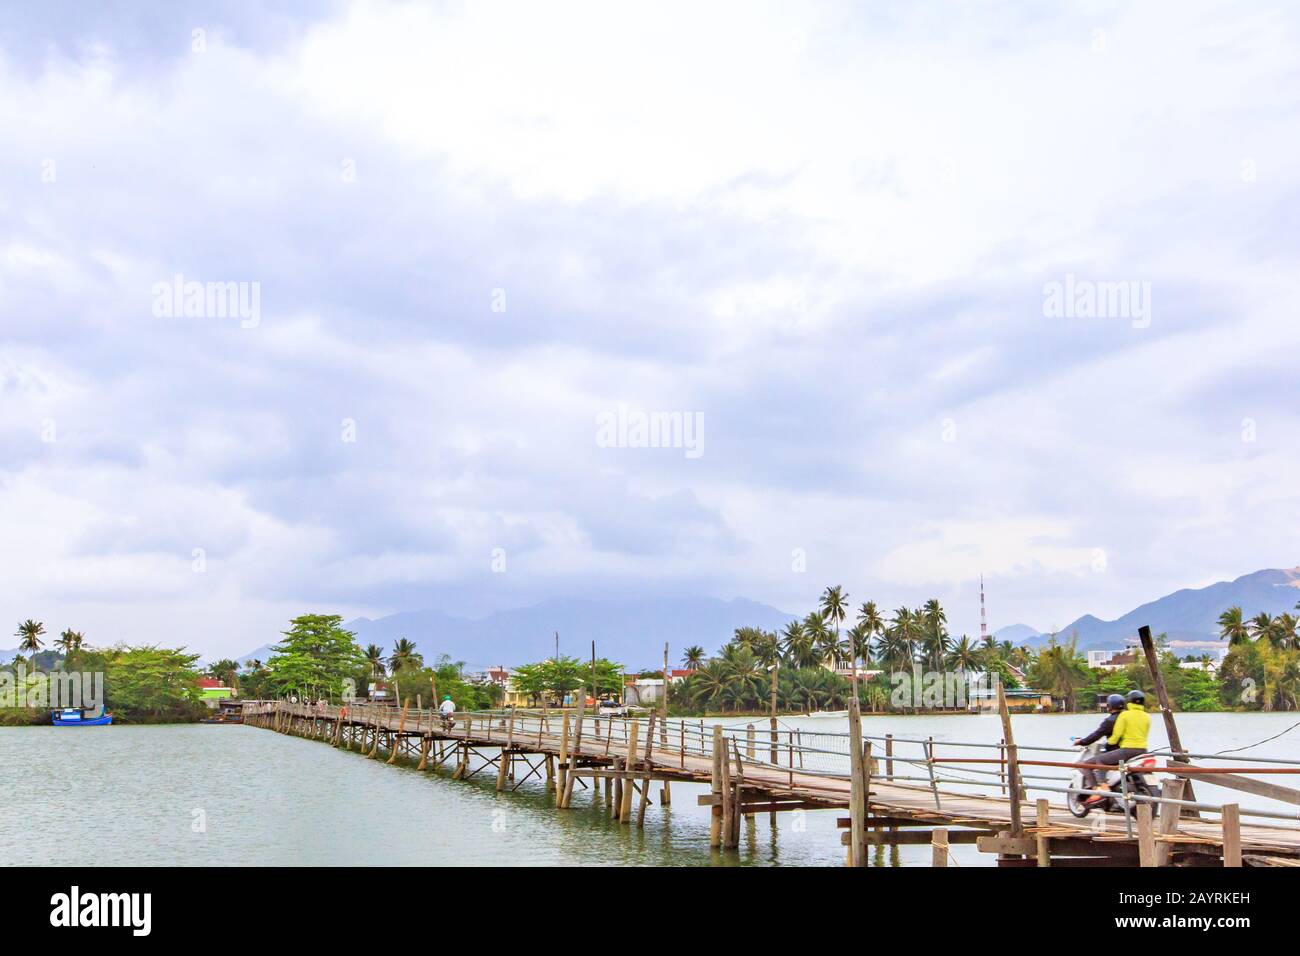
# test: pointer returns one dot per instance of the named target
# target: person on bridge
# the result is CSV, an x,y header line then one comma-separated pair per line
x,y
1129,736
1114,705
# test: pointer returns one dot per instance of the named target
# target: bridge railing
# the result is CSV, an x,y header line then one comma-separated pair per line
x,y
947,768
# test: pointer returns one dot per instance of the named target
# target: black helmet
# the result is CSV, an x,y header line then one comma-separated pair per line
x,y
1115,702
1137,697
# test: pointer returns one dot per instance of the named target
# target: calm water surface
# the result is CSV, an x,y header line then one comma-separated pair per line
x,y
136,796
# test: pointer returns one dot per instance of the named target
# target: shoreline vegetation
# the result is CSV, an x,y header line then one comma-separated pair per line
x,y
907,662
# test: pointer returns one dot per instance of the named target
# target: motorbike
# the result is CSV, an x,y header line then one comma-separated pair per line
x,y
1139,782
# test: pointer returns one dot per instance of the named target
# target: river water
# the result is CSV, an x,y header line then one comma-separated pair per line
x,y
232,795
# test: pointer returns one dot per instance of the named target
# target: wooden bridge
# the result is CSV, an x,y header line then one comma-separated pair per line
x,y
893,797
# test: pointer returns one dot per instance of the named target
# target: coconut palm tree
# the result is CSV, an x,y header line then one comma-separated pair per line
x,y
797,646
824,639
1232,628
374,655
404,656
964,656
858,639
69,642
693,657
834,608
1283,632
1261,625
934,634
29,637
709,683
1061,670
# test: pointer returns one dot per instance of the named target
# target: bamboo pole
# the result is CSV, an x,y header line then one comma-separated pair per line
x,y
665,793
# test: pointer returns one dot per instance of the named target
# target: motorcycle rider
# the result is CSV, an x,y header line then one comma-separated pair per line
x,y
1128,738
1114,705
447,708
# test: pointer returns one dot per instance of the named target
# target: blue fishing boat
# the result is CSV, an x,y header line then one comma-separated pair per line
x,y
72,717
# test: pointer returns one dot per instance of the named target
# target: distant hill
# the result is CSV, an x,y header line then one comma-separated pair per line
x,y
631,631
1015,633
1190,614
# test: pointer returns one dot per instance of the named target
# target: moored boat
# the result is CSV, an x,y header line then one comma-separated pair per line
x,y
72,717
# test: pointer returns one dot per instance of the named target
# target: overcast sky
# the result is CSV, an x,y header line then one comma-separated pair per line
x,y
825,234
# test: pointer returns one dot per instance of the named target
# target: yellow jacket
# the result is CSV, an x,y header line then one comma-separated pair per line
x,y
1131,727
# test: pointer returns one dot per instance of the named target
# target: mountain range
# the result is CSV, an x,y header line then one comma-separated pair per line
x,y
632,631
635,631
1188,616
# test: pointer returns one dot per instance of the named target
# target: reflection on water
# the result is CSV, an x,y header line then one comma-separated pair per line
x,y
243,796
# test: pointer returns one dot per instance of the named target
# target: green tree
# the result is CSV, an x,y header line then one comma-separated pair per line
x,y
316,657
404,656
693,657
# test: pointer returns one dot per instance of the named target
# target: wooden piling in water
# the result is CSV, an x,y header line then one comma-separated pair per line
x,y
715,788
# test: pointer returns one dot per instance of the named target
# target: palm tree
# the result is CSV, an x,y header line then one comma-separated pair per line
x,y
1061,670
226,671
834,607
1261,625
859,641
709,683
404,656
1233,628
1284,626
693,657
797,645
934,634
904,628
374,655
964,656
29,634
871,622
824,640
69,642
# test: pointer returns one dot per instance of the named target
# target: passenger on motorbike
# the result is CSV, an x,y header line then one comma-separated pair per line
x,y
1114,705
1128,738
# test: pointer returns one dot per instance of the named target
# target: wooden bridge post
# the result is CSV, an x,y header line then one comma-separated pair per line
x,y
1013,766
728,805
564,761
857,805
625,805
374,719
1169,813
665,794
401,728
577,747
426,741
1171,727
715,788
939,847
506,752
1231,820
1043,820
889,756
1146,836
645,780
